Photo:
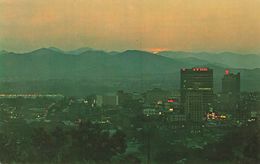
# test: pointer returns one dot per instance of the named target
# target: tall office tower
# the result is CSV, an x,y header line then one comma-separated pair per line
x,y
230,91
196,92
231,83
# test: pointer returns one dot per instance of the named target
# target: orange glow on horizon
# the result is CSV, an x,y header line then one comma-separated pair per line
x,y
157,50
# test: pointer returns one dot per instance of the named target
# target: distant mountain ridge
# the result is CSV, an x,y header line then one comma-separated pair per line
x,y
223,59
131,69
230,59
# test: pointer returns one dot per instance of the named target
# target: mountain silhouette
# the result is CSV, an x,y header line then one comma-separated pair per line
x,y
226,59
49,68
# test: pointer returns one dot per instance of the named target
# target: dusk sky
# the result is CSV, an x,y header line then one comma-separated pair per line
x,y
181,25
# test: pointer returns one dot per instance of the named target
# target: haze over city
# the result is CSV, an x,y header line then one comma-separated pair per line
x,y
186,25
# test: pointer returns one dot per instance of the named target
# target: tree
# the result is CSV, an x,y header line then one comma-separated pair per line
x,y
8,148
91,142
43,144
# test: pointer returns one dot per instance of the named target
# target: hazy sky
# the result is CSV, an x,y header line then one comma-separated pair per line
x,y
188,25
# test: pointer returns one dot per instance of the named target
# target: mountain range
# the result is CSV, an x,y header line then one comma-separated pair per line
x,y
89,70
226,59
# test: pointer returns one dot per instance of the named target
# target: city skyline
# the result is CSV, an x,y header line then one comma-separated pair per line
x,y
180,25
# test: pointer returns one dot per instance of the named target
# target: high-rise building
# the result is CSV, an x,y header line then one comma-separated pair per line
x,y
231,83
196,92
194,106
230,96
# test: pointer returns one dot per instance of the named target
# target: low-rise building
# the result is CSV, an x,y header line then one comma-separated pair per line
x,y
106,100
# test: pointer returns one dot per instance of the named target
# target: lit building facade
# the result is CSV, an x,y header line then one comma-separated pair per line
x,y
196,92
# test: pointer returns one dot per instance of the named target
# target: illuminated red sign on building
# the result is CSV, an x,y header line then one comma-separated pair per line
x,y
226,71
200,69
171,100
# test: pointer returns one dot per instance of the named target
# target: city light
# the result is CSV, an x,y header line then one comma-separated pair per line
x,y
171,109
251,120
160,102
226,71
171,100
215,116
